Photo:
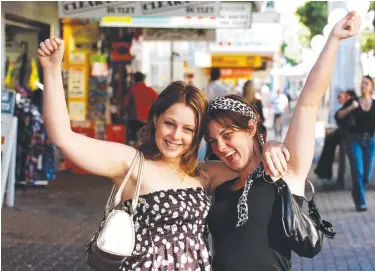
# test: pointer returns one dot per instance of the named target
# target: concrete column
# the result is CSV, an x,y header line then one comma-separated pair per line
x,y
346,74
3,58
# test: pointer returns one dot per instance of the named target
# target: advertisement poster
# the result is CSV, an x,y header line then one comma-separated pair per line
x,y
76,83
77,110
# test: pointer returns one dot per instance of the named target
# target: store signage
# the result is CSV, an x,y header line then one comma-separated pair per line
x,y
160,22
235,60
121,52
235,15
77,58
8,98
77,110
178,8
236,73
179,34
8,157
93,9
76,82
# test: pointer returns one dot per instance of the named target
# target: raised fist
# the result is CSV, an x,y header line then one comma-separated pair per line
x,y
50,53
347,27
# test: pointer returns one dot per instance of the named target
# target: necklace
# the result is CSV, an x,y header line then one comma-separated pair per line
x,y
175,173
365,104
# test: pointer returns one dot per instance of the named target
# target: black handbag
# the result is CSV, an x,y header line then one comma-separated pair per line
x,y
303,232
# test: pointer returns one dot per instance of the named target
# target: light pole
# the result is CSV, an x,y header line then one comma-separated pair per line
x,y
347,69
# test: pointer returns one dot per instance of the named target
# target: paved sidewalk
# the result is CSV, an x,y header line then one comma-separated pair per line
x,y
49,227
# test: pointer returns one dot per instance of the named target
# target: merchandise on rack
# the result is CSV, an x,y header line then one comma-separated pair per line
x,y
35,154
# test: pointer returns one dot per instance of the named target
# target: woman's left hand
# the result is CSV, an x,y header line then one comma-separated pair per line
x,y
347,27
275,157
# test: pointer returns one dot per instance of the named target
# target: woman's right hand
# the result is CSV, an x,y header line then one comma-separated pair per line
x,y
50,53
354,105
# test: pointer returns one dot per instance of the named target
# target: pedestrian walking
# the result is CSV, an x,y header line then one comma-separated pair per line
x,y
360,141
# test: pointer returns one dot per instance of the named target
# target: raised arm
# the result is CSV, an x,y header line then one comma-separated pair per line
x,y
300,139
95,156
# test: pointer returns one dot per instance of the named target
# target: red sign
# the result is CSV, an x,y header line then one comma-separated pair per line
x,y
121,52
236,73
116,133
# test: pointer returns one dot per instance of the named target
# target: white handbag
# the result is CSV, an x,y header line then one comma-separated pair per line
x,y
115,239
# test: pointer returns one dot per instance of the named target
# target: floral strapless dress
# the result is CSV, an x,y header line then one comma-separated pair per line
x,y
171,231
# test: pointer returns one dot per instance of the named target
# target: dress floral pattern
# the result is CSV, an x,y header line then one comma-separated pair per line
x,y
171,231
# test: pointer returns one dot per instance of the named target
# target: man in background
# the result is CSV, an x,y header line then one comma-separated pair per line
x,y
139,101
279,103
216,88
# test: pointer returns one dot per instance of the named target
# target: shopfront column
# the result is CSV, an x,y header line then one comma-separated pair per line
x,y
346,74
3,59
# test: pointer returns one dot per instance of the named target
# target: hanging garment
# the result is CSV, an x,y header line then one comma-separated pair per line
x,y
35,155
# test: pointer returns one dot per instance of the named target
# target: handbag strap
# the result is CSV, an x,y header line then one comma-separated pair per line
x,y
115,197
139,180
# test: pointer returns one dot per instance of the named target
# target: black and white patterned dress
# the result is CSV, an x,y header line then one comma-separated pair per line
x,y
171,231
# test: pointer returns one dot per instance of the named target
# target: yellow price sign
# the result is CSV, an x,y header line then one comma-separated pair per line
x,y
236,61
117,20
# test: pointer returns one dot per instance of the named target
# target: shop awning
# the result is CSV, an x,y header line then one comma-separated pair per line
x,y
99,9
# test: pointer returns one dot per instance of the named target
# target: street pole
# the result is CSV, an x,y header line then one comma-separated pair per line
x,y
172,59
347,69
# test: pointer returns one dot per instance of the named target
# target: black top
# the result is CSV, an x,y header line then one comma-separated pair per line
x,y
259,243
362,122
345,122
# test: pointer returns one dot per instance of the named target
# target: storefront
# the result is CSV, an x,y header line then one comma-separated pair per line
x,y
106,36
24,25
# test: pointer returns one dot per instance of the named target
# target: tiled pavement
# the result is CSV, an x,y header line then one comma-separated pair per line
x,y
48,228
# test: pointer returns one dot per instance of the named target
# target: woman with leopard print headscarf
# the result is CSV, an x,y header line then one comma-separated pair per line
x,y
243,222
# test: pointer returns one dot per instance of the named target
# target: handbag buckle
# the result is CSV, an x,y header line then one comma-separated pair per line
x,y
312,192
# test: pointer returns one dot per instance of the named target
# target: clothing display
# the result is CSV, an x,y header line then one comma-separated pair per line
x,y
250,237
171,232
35,154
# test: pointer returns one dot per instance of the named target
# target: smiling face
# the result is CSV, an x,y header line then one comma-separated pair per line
x,y
342,97
233,146
175,130
366,86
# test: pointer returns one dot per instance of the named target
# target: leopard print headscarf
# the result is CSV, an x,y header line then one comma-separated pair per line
x,y
224,103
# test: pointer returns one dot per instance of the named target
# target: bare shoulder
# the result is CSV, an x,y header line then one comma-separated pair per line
x,y
215,173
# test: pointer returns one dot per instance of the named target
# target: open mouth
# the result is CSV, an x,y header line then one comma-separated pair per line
x,y
171,145
230,155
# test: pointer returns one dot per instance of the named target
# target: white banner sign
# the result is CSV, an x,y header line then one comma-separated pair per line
x,y
93,9
8,157
159,22
179,34
235,15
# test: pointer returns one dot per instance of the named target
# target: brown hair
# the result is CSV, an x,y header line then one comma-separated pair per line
x,y
249,92
368,77
233,120
176,92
